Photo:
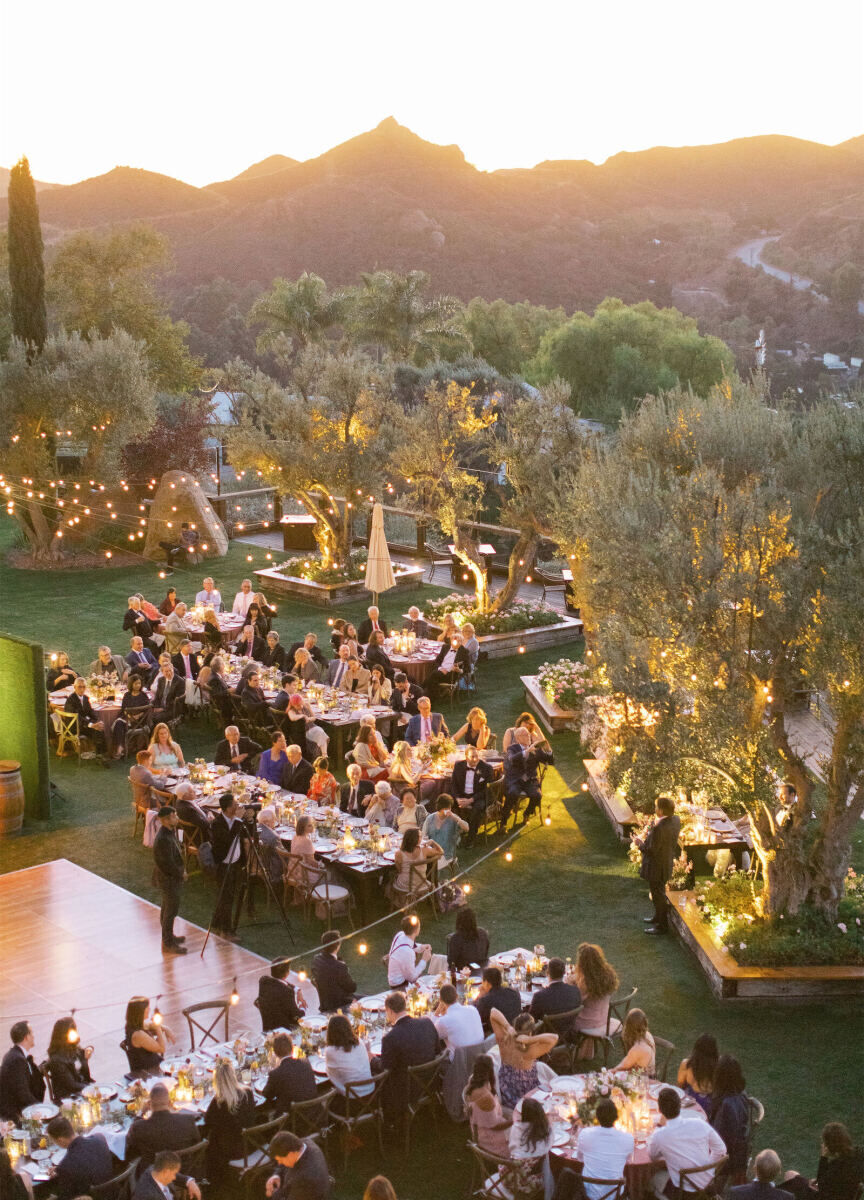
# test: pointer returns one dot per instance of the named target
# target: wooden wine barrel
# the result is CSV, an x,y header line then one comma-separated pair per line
x,y
11,797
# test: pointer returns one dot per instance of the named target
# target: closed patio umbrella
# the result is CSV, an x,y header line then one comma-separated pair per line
x,y
379,569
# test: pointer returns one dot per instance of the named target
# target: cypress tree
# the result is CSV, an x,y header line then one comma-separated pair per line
x,y
26,265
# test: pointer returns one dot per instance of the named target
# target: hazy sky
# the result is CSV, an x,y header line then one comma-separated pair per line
x,y
202,90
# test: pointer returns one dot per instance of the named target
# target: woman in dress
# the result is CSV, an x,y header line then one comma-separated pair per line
x,y
468,943
166,752
598,982
323,789
231,1110
404,769
345,1057
520,1048
169,603
730,1115
256,620
449,628
638,1044
411,855
475,731
524,720
696,1073
302,844
490,1129
68,1060
351,640
134,698
380,687
61,674
529,1139
411,815
373,762
266,610
211,634
146,1039
337,635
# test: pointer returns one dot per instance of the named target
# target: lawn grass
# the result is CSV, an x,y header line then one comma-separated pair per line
x,y
568,883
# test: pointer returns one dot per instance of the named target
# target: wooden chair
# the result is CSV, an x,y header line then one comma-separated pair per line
x,y
118,1188
220,1008
664,1051
551,583
492,813
311,1118
192,837
137,729
140,810
256,1145
449,689
616,1187
193,1159
360,1110
496,1175
424,1091
618,1010
333,897
569,1039
419,888
437,557
687,1188
67,734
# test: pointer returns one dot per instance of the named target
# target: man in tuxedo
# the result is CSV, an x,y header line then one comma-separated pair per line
x,y
185,663
277,1001
310,645
330,974
155,1184
292,1080
558,997
169,874
493,994
86,1163
253,699
405,695
141,661
410,1042
79,703
372,624
21,1081
297,772
453,663
337,668
137,623
468,783
170,691
274,655
302,1170
228,840
163,1129
659,850
425,725
767,1168
520,772
189,810
289,688
236,752
352,793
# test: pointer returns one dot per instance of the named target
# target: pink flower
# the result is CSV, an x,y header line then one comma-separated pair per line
x,y
841,926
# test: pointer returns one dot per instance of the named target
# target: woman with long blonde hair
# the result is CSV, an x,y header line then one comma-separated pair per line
x,y
231,1110
166,752
475,731
638,1044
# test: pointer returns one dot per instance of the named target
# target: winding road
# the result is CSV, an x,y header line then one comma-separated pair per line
x,y
751,254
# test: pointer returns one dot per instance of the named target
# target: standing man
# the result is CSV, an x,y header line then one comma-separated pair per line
x,y
659,850
169,875
229,851
209,595
243,598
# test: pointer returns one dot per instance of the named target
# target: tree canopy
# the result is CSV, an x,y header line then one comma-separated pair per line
x,y
506,335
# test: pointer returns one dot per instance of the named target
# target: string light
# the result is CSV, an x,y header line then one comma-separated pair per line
x,y
157,1015
235,995
584,787
508,857
466,888
362,948
73,1036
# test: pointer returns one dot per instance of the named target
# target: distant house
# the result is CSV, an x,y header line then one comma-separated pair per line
x,y
834,362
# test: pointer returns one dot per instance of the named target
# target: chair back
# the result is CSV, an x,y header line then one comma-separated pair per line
x,y
256,1140
686,1184
559,1023
663,1052
193,1159
67,731
118,1188
45,1068
495,1173
424,1081
308,1118
220,1010
364,1108
618,1010
615,1187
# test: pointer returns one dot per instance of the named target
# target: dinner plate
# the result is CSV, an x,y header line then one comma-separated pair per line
x,y
40,1112
372,1005
656,1088
325,845
316,1062
560,1135
99,1092
40,1155
352,860
354,820
390,855
314,1023
505,960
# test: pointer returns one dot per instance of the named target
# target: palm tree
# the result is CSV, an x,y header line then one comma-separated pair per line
x,y
301,310
393,311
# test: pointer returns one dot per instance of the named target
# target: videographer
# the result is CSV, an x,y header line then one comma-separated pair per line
x,y
227,837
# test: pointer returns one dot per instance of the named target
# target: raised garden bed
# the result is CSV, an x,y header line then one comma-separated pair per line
x,y
729,981
331,595
505,645
551,717
618,812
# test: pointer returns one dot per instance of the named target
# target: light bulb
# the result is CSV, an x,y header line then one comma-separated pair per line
x,y
509,856
362,948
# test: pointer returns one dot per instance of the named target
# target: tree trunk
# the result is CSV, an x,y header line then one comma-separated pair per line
x,y
521,563
38,531
468,553
830,853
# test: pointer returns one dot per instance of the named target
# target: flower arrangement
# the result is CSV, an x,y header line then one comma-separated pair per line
x,y
516,618
435,752
565,682
313,570
620,1087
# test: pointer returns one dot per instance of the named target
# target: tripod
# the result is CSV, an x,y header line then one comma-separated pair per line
x,y
253,850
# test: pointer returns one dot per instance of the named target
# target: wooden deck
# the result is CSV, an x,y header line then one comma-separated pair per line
x,y
71,939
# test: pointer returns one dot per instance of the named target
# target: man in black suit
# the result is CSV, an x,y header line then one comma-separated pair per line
x,y
376,656
469,781
520,771
169,875
253,699
138,623
352,793
292,1080
297,772
659,850
87,1160
170,691
250,644
277,1001
767,1168
452,664
558,997
236,752
410,1042
89,724
228,840
371,624
493,994
405,695
290,684
155,1184
330,974
141,661
190,812
161,1130
302,1173
274,655
185,663
21,1081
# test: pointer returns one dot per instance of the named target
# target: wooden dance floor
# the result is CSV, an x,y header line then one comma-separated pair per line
x,y
69,939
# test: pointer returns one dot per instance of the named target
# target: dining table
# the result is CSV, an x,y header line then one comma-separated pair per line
x,y
415,657
106,702
712,830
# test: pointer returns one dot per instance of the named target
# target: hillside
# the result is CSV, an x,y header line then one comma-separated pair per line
x,y
41,186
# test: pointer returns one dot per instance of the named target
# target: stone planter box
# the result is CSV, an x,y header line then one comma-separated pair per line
x,y
618,812
505,645
729,981
331,595
551,717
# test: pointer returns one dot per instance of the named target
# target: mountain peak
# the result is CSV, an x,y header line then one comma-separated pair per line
x,y
392,146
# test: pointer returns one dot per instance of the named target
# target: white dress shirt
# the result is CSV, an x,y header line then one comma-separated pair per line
x,y
461,1025
242,603
687,1142
447,662
402,965
211,599
469,781
233,854
603,1153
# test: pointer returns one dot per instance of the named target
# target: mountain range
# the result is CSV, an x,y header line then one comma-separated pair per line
x,y
563,232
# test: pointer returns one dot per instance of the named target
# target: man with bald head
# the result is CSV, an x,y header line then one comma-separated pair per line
x,y
163,1129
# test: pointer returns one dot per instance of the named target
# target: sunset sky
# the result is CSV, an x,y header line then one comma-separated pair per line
x,y
200,91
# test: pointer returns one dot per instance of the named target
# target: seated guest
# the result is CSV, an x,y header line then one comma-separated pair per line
x,y
169,603
310,645
415,623
406,961
410,1042
68,1060
597,980
524,721
266,611
211,681
274,655
180,544
211,634
209,596
426,725
289,686
156,1184
337,668
302,845
452,663
277,999
176,629
301,1170
530,1138
166,752
337,634
404,768
293,1079
682,1144
469,784
405,694
368,755
108,666
249,669
468,944
141,661
558,996
469,641
458,1024
767,1168
383,805
244,599
274,855
356,678
190,812
520,772
354,792
323,789
696,1072
475,731
443,828
253,699
231,1110
86,1163
297,772
137,623
79,703
638,1044
145,1041
305,667
520,1048
449,628
250,644
351,640
603,1150
494,994
61,674
330,974
840,1171
410,815
236,752
730,1115
169,692
148,787
186,664
135,700
163,1129
346,1058
376,655
380,687
483,1109
21,1081
371,624
255,618
272,762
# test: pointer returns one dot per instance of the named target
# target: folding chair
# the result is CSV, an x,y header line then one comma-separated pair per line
x,y
118,1188
692,1191
424,1091
664,1051
220,1008
137,729
360,1110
